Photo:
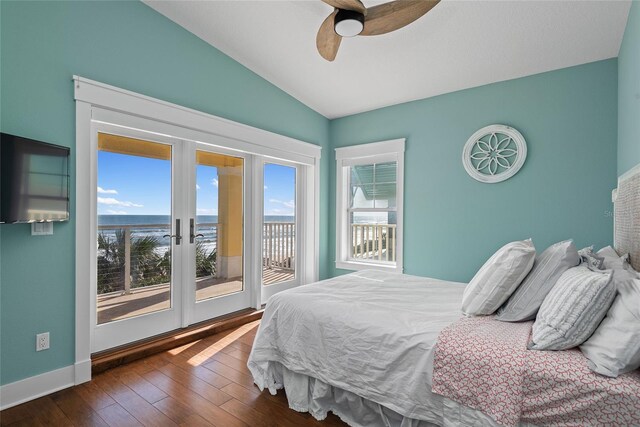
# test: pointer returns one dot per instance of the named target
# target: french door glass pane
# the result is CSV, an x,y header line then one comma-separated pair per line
x,y
219,225
279,224
134,213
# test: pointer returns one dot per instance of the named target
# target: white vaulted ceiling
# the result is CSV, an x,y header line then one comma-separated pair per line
x,y
459,44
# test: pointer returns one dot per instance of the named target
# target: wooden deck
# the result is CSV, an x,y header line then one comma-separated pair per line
x,y
116,306
276,275
205,383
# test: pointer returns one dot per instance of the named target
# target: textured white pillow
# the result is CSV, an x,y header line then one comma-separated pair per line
x,y
614,348
494,283
573,309
547,269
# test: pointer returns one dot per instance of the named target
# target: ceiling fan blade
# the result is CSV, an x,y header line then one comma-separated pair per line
x,y
347,5
391,16
327,41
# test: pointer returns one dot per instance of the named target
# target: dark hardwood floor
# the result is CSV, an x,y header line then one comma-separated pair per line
x,y
204,383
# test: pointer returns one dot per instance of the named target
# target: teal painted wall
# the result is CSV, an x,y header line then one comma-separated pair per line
x,y
128,45
629,93
454,223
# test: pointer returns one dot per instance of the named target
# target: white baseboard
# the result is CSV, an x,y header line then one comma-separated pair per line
x,y
40,385
83,371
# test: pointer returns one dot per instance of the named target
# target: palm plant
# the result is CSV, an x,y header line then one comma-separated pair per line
x,y
205,262
146,265
110,262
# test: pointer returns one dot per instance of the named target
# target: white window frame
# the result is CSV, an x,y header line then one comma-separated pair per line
x,y
375,152
101,103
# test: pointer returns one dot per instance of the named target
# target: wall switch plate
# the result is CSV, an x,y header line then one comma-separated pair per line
x,y
42,341
41,228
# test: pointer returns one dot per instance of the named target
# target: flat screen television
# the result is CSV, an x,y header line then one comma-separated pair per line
x,y
34,180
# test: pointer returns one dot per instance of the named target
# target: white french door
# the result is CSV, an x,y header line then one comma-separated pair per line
x,y
220,193
171,236
140,261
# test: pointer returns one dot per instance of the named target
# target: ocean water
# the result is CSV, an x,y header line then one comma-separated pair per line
x,y
164,219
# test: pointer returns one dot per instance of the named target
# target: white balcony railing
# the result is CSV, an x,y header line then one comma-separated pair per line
x,y
278,245
126,259
124,262
373,242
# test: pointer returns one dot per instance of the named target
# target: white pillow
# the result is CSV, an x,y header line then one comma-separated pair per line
x,y
573,309
547,269
613,261
614,348
494,283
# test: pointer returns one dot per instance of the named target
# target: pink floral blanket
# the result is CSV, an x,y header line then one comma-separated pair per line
x,y
484,364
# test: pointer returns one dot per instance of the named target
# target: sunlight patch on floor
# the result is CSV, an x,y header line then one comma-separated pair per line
x,y
176,351
206,354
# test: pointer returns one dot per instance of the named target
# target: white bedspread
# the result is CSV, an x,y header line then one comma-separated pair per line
x,y
370,333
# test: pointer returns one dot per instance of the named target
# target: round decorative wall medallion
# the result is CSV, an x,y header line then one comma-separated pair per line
x,y
494,153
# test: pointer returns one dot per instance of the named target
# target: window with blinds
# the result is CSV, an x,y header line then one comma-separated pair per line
x,y
372,212
369,205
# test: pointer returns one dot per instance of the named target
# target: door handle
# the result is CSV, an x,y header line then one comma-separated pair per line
x,y
177,236
192,230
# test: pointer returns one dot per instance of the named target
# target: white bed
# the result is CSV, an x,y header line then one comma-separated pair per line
x,y
361,346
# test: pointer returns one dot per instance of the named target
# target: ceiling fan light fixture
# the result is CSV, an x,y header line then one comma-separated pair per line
x,y
348,23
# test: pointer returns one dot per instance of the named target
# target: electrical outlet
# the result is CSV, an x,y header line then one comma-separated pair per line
x,y
42,341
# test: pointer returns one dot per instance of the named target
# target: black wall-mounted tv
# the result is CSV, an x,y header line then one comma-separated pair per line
x,y
34,180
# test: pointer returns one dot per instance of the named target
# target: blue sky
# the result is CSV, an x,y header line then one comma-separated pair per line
x,y
133,185
279,189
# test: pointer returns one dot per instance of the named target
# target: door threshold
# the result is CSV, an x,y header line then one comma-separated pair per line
x,y
121,355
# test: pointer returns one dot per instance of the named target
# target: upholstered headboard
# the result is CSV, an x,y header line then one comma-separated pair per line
x,y
626,208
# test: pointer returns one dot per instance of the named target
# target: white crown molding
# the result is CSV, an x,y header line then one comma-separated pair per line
x,y
258,140
371,149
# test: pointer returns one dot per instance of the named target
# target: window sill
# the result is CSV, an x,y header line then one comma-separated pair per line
x,y
356,266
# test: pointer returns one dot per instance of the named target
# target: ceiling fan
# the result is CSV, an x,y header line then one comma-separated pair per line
x,y
350,18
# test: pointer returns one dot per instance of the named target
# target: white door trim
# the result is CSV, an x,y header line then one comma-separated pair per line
x,y
98,98
86,219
